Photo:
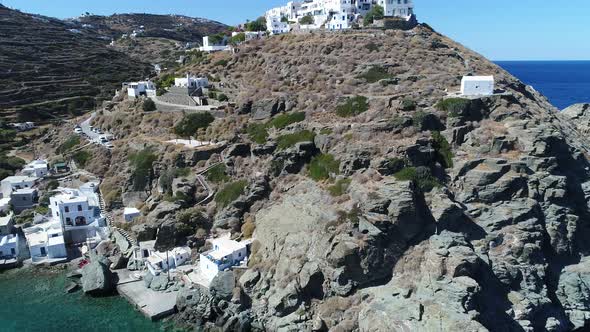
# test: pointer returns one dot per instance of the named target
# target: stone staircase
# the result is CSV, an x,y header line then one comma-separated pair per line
x,y
111,221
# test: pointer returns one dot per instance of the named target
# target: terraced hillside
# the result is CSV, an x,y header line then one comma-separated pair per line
x,y
49,67
174,27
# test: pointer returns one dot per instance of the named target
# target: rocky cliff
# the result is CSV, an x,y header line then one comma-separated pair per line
x,y
378,202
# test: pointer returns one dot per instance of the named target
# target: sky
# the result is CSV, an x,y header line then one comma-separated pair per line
x,y
500,29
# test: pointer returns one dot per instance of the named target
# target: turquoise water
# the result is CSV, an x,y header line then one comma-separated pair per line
x,y
35,301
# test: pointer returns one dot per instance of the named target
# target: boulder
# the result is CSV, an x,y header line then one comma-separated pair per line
x,y
353,162
238,150
97,279
265,109
573,292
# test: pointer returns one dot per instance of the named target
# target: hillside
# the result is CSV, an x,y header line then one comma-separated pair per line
x,y
375,203
173,27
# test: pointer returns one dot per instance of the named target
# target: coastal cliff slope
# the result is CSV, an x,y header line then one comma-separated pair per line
x,y
385,206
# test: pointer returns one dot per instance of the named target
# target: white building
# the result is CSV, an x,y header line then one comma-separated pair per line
x,y
191,82
9,246
24,199
158,262
250,35
5,204
143,88
214,47
332,14
225,254
7,224
477,85
13,183
398,8
23,126
37,168
130,214
46,242
79,214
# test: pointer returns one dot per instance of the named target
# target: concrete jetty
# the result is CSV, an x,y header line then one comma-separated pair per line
x,y
154,305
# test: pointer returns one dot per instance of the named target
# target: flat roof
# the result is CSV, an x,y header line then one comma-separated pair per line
x,y
7,239
5,220
478,78
130,211
26,191
52,241
4,201
20,179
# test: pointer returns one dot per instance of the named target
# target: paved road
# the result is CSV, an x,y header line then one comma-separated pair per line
x,y
92,136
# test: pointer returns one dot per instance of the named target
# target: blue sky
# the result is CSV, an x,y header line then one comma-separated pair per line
x,y
500,29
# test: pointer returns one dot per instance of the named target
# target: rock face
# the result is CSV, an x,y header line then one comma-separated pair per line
x,y
579,116
97,278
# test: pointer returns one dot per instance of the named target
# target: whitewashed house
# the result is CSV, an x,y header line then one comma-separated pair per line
x,y
158,262
78,212
5,204
225,254
13,183
23,126
143,88
7,224
46,242
191,82
477,85
214,47
9,245
332,14
131,213
37,168
24,199
398,8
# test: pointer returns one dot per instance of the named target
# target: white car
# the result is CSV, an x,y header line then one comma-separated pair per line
x,y
78,130
109,145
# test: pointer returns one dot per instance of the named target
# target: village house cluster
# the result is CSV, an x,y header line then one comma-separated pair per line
x,y
331,14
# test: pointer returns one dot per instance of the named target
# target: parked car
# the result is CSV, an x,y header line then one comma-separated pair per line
x,y
78,130
109,145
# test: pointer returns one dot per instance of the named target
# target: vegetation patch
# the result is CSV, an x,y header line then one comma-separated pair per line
x,y
9,165
340,187
322,166
305,20
408,105
258,133
421,176
376,74
71,142
81,158
148,105
285,119
371,47
192,123
353,107
376,13
453,106
217,174
289,140
230,192
142,163
443,149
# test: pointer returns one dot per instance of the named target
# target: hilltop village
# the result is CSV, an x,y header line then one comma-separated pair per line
x,y
333,165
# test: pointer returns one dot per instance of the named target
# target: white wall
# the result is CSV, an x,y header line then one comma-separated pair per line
x,y
477,87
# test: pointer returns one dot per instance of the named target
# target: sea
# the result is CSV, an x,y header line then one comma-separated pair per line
x,y
564,83
34,300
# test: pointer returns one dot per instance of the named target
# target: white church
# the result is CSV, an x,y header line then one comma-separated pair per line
x,y
331,14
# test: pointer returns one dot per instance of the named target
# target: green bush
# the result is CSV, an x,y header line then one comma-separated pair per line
x,y
443,149
376,13
165,81
375,74
230,192
339,188
453,106
71,142
222,62
326,131
321,166
258,25
148,105
285,119
222,97
238,38
142,163
372,47
305,20
289,140
212,95
191,123
421,176
418,118
353,107
258,133
7,135
81,158
52,185
408,104
217,174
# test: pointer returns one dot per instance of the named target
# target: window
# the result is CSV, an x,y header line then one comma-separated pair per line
x,y
67,209
12,251
79,207
68,221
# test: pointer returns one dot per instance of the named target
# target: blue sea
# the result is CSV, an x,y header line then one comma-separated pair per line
x,y
563,82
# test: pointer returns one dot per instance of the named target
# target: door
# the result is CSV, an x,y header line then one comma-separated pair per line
x,y
43,251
